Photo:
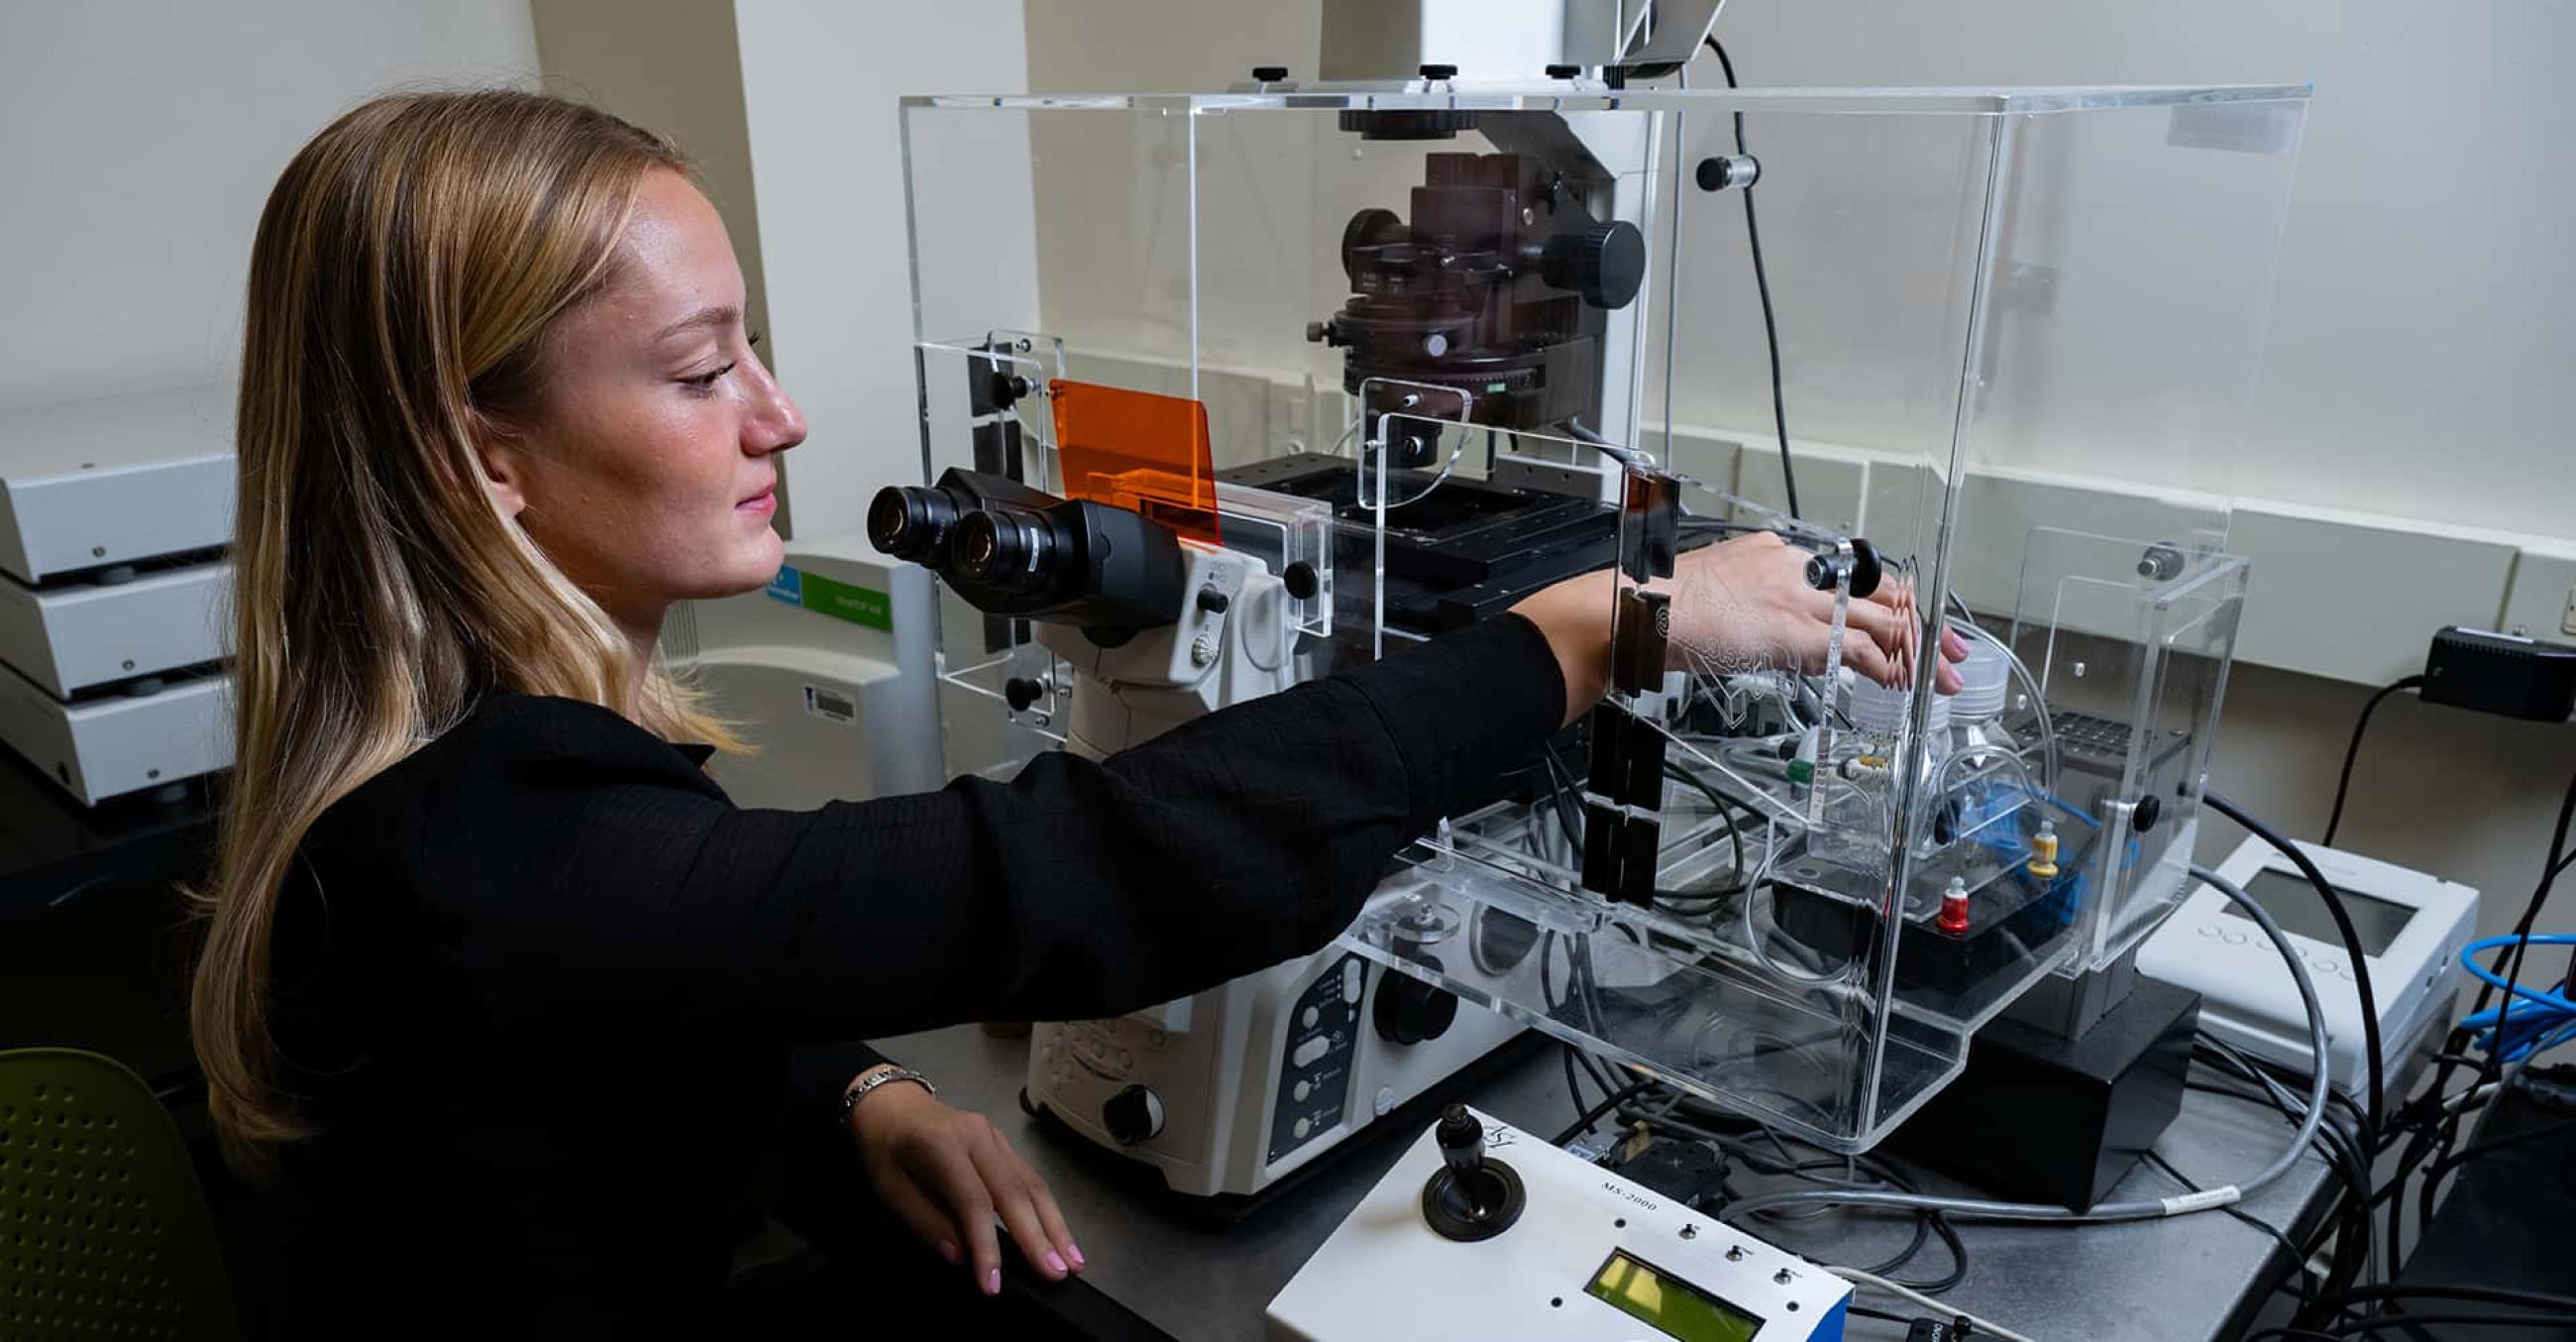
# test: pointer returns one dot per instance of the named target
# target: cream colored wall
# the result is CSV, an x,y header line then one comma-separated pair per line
x,y
142,138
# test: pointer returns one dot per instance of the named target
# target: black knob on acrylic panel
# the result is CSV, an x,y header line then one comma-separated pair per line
x,y
1604,263
1720,172
1563,71
1269,74
1301,581
1132,1115
1440,72
1022,692
1008,389
1867,570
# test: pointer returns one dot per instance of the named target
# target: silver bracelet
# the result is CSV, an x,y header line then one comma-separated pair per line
x,y
858,1090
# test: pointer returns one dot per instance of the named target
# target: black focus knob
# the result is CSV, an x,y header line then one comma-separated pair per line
x,y
1132,1115
1213,601
1301,581
1603,264
1021,691
1410,1011
1440,72
1269,74
1371,227
1563,71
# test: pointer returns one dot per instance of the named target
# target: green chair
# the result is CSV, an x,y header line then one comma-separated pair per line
x,y
103,1227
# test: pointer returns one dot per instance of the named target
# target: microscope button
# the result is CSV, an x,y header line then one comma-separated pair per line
x,y
1304,1054
1312,1018
2235,938
1301,1090
1301,1127
2328,965
1385,1100
2207,930
1351,981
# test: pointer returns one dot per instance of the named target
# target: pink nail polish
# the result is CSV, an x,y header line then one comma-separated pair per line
x,y
948,1249
1055,1262
1074,1252
993,1282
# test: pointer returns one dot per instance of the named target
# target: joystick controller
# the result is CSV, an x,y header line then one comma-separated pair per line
x,y
1471,1196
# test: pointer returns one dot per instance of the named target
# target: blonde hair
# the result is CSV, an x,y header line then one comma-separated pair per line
x,y
407,269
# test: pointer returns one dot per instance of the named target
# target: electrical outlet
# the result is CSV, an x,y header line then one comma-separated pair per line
x,y
2567,620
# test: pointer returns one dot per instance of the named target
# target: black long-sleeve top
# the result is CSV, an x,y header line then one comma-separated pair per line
x,y
537,983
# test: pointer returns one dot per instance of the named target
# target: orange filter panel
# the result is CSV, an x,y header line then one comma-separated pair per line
x,y
1133,449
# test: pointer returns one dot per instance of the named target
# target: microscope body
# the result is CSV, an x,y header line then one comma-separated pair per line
x,y
1230,1090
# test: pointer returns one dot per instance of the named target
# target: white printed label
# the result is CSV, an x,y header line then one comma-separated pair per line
x,y
831,705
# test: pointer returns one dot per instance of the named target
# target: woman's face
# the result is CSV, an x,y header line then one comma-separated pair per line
x,y
647,469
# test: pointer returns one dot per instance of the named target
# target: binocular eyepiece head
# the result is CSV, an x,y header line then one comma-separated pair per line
x,y
1009,548
1012,550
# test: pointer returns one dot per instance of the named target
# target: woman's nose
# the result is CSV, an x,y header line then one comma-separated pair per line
x,y
776,424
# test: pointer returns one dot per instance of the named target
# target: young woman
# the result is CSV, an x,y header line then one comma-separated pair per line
x,y
499,987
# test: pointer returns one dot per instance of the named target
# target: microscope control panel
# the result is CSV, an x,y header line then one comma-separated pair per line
x,y
1315,1069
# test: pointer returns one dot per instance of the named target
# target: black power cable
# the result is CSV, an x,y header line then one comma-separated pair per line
x,y
2343,783
2378,1097
1762,283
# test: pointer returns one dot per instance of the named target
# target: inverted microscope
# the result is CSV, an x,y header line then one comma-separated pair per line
x,y
1221,392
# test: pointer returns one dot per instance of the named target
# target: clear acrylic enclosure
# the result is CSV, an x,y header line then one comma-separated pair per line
x,y
1448,348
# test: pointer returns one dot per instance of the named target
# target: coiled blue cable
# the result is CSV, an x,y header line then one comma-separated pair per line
x,y
2532,1020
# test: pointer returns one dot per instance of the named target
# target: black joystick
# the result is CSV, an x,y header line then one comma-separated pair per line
x,y
1470,1197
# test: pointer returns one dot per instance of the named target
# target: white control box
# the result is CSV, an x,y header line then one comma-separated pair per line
x,y
92,483
74,635
108,747
1590,1258
2412,928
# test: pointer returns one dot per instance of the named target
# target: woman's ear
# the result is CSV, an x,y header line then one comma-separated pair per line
x,y
501,462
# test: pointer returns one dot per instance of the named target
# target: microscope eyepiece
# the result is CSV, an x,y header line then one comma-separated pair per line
x,y
1005,547
911,522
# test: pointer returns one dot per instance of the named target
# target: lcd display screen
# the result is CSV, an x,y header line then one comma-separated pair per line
x,y
2288,897
1668,1304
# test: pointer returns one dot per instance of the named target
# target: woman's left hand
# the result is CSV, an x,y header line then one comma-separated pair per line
x,y
948,1172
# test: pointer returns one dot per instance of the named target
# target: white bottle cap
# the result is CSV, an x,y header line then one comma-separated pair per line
x,y
1879,711
1985,680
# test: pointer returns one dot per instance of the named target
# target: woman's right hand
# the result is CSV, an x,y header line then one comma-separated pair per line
x,y
1741,605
